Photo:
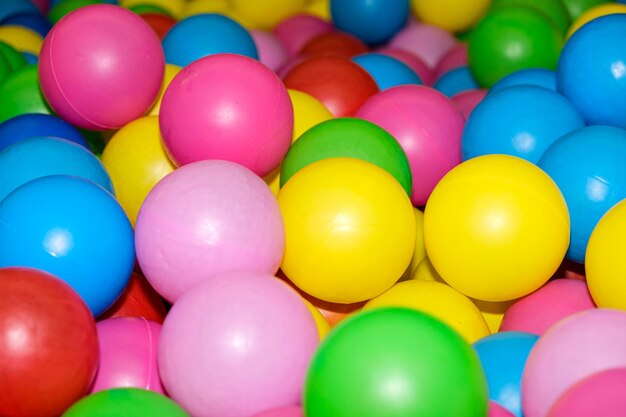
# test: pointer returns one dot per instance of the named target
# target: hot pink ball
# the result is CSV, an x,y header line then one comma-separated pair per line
x,y
455,58
413,61
101,67
427,125
428,42
227,107
572,350
128,354
206,218
553,302
496,410
467,101
282,412
294,32
271,51
237,345
601,394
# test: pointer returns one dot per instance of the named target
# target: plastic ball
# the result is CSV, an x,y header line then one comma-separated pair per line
x,y
34,125
307,111
455,58
212,105
81,235
555,10
15,7
493,312
21,38
271,51
373,21
195,7
171,71
266,14
522,121
539,77
323,327
387,71
414,62
427,125
497,411
466,101
31,59
65,7
594,13
49,345
173,7
139,299
34,22
456,81
5,68
160,23
430,43
282,412
295,31
84,91
319,8
20,94
577,7
382,353
14,58
419,253
452,15
262,338
499,218
334,43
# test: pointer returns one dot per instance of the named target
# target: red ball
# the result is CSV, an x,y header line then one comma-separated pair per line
x,y
139,299
160,23
48,344
334,43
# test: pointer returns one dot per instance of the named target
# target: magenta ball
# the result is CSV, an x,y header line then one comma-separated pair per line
x,y
413,61
101,67
227,107
496,410
282,412
272,53
572,350
553,302
206,218
237,345
430,43
294,32
455,58
467,100
128,354
427,125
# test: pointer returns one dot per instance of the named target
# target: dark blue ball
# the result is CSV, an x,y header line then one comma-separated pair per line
x,y
34,125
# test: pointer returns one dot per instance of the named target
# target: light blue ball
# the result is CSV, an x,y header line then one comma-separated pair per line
x,y
387,71
538,77
456,81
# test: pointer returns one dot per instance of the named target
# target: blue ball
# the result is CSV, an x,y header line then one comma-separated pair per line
x,y
33,125
41,157
521,121
372,21
503,357
31,59
456,81
206,34
592,71
588,167
73,229
35,22
13,7
539,77
387,71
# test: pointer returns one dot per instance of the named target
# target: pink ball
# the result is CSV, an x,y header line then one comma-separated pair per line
x,y
428,42
271,51
237,345
455,58
413,61
128,354
206,218
467,100
427,125
282,412
294,32
496,410
572,350
599,395
101,67
228,107
553,302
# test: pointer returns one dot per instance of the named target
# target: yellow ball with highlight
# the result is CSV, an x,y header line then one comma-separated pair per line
x,y
451,15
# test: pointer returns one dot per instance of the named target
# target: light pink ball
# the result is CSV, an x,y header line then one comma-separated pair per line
x,y
496,410
282,412
572,350
467,100
294,32
413,61
553,302
101,67
206,218
427,125
237,345
271,51
428,42
228,107
455,58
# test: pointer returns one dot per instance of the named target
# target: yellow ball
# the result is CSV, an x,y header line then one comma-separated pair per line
x,y
136,161
425,271
440,301
195,7
349,230
307,112
452,15
265,14
322,325
419,253
21,38
496,227
319,8
175,7
493,312
273,180
594,13
171,71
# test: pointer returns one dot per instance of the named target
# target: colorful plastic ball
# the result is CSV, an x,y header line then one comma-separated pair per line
x,y
499,218
49,345
139,299
578,7
456,81
497,411
15,7
21,38
414,62
466,101
261,338
5,68
124,402
522,121
334,43
295,31
323,327
282,412
319,8
427,125
87,93
34,22
503,356
171,71
535,40
539,77
13,57
307,112
195,7
374,22
28,126
374,363
81,235
160,23
451,15
172,7
387,71
271,51
572,350
340,84
594,84
428,42
212,105
31,59
419,253
348,138
493,312
594,13
555,10
65,7
455,58
20,94
267,14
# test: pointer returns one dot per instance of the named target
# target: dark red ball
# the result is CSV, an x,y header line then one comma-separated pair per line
x,y
334,43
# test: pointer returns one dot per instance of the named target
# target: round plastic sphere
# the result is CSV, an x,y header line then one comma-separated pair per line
x,y
81,235
577,7
522,121
96,81
599,394
493,312
262,338
539,77
14,58
555,10
282,412
382,353
5,67
451,15
295,31
20,94
271,51
387,71
428,42
15,7
30,58
496,410
419,253
414,62
266,14
171,71
340,84
503,356
348,138
454,58
427,125
212,105
466,101
535,39
35,22
456,81
21,38
124,402
594,13
174,8
139,299
334,43
160,23
203,219
499,218
572,350
64,7
49,345
440,301
33,125
350,230
586,81
307,112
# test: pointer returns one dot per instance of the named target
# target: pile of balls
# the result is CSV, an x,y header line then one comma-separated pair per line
x,y
312,208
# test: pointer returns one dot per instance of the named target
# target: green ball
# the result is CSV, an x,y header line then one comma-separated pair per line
x,y
65,7
5,68
20,94
578,7
553,9
15,59
395,362
512,38
149,8
125,402
350,138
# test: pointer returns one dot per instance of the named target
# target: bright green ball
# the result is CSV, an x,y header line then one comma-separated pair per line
x,y
65,7
578,7
125,402
553,9
20,94
15,59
